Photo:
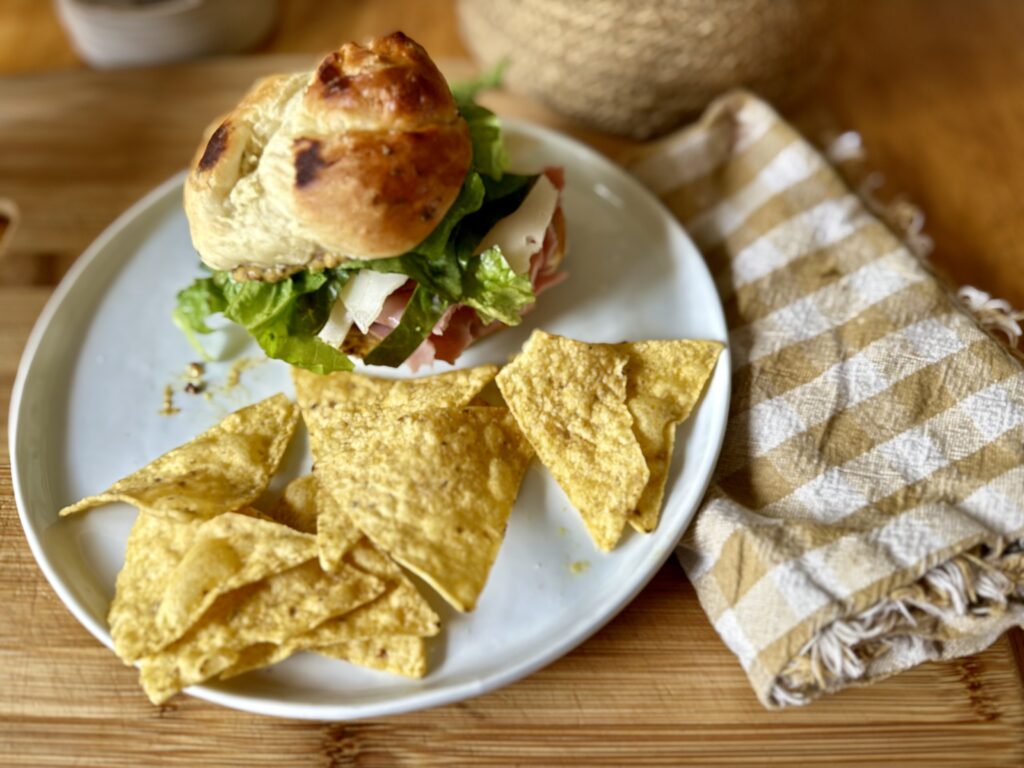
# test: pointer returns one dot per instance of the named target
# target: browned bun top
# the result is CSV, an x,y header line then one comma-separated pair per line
x,y
392,78
359,159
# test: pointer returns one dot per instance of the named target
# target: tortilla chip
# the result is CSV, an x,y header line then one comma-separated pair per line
x,y
398,654
320,397
223,470
298,506
433,489
453,389
304,507
399,610
569,399
229,551
664,381
336,534
271,611
402,605
256,656
155,547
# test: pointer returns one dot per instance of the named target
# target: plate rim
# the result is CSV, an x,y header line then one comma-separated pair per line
x,y
721,380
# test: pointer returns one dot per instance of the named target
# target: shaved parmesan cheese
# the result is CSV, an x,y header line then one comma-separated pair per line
x,y
336,328
364,295
521,234
359,302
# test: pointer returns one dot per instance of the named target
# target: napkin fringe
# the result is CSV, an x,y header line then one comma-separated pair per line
x,y
994,315
909,623
847,154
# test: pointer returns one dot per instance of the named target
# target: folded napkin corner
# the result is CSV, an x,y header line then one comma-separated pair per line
x,y
867,512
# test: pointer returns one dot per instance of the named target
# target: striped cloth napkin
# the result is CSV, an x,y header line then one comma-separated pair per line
x,y
867,511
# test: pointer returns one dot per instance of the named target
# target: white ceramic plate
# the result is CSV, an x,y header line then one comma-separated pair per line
x,y
85,413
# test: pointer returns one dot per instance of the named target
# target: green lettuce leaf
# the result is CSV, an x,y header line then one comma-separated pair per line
x,y
283,317
468,90
509,184
436,246
494,290
489,155
307,352
195,304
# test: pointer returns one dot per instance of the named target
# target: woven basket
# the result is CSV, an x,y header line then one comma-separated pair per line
x,y
640,67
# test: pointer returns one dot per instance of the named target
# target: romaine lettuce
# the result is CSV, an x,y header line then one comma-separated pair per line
x,y
196,303
283,317
494,290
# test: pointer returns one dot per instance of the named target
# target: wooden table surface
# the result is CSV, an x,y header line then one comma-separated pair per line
x,y
937,90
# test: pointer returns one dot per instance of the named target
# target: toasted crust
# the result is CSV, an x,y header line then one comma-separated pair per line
x,y
359,159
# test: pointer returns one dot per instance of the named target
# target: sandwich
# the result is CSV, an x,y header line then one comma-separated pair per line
x,y
366,209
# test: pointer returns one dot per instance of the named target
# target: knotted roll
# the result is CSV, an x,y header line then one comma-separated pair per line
x,y
359,159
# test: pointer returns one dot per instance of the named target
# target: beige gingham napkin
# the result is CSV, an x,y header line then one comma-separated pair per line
x,y
868,506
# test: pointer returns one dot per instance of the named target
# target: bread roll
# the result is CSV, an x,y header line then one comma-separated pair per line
x,y
359,159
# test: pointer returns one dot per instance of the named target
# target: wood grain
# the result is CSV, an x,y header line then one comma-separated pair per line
x,y
937,92
936,88
31,38
655,687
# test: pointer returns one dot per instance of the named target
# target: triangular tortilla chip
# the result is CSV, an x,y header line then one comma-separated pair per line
x,y
569,399
155,547
336,534
664,381
267,612
433,489
223,470
399,610
453,389
320,397
167,569
229,551
256,656
398,654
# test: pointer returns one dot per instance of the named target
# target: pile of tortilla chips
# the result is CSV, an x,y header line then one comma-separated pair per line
x,y
212,587
422,473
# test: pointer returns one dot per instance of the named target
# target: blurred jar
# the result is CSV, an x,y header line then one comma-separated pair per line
x,y
121,33
640,67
